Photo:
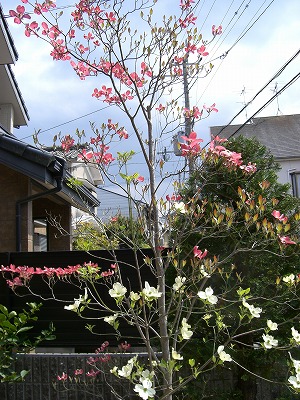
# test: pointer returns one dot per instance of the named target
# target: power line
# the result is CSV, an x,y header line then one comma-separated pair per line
x,y
293,80
68,122
278,73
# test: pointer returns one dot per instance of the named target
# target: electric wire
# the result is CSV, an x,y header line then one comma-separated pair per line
x,y
276,75
244,32
293,80
68,122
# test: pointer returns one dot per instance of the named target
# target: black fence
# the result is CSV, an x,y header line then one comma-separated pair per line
x,y
71,329
42,381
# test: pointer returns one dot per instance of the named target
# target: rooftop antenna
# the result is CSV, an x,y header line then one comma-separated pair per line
x,y
275,90
243,93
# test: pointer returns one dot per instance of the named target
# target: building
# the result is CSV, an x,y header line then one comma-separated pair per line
x,y
36,197
113,204
281,135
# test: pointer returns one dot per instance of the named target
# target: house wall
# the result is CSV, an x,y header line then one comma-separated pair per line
x,y
59,222
14,186
288,167
7,117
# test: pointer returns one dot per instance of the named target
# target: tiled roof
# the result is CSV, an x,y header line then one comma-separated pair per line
x,y
43,167
280,134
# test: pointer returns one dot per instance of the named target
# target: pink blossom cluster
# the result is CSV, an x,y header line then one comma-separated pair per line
x,y
190,19
21,275
286,240
19,14
174,197
98,152
281,217
191,147
185,4
196,113
83,69
110,272
193,113
99,157
199,253
192,48
124,346
126,78
216,30
232,159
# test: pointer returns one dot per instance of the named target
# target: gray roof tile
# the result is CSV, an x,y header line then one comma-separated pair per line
x,y
280,134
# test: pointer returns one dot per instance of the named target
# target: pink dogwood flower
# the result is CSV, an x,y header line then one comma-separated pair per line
x,y
185,4
19,14
202,51
286,240
211,108
160,108
67,142
192,146
216,30
30,29
281,217
199,253
63,377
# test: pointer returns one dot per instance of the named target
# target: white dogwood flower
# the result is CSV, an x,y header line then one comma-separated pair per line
x,y
208,295
144,389
223,355
111,319
175,355
179,282
272,325
296,335
294,380
134,296
150,293
118,290
269,341
180,207
185,332
289,279
126,370
77,302
254,311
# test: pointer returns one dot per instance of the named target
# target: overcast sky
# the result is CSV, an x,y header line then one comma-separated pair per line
x,y
54,95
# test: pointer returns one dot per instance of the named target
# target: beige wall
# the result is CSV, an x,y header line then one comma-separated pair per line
x,y
15,186
59,222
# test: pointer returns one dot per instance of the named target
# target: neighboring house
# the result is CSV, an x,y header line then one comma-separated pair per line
x,y
113,204
281,135
13,112
35,195
84,174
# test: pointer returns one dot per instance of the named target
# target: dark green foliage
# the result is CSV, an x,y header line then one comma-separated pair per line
x,y
245,254
14,339
119,232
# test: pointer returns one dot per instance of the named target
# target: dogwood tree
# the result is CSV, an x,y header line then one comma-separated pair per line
x,y
137,56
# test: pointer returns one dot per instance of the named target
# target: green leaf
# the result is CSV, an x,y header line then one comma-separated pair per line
x,y
24,329
191,362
